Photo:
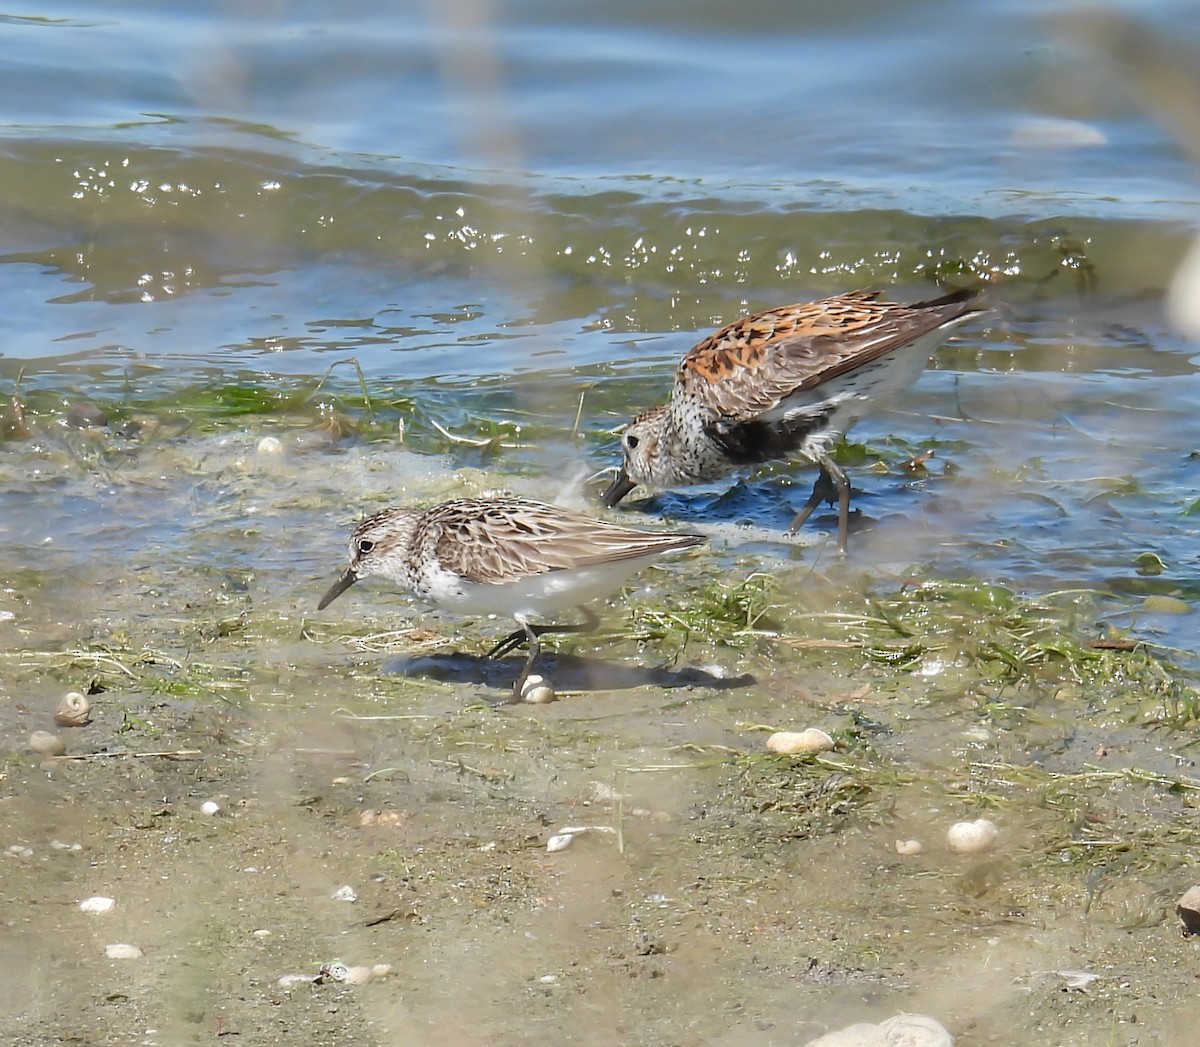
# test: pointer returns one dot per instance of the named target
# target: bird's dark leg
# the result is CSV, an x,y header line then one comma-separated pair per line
x,y
831,485
529,634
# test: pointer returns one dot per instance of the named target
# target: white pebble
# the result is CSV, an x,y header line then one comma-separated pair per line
x,y
559,842
47,744
97,904
909,847
19,850
345,894
270,447
972,837
536,690
58,845
210,807
121,951
262,932
794,743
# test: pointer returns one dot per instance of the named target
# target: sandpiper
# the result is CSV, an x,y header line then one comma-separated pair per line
x,y
783,382
509,556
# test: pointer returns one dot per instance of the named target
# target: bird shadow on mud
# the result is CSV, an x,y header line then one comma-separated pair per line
x,y
567,671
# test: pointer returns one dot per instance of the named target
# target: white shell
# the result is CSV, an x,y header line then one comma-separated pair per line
x,y
972,837
97,904
562,839
860,1034
902,1030
47,744
121,951
270,447
345,894
210,807
536,690
1188,910
909,847
793,743
73,710
915,1030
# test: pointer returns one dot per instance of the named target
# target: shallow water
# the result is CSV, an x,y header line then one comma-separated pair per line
x,y
361,232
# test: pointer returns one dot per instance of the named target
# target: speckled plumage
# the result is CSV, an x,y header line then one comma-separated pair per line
x,y
783,382
510,556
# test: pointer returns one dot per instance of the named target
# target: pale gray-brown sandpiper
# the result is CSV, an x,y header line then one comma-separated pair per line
x,y
509,556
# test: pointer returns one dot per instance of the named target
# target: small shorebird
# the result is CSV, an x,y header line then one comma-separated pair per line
x,y
784,382
509,556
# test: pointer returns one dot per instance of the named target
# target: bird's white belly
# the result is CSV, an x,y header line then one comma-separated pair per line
x,y
542,594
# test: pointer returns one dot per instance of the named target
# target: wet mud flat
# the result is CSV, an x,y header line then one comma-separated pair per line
x,y
720,893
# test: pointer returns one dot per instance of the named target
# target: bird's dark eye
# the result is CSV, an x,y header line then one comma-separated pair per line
x,y
365,545
631,442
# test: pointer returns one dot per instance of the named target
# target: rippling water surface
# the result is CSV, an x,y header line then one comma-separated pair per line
x,y
497,209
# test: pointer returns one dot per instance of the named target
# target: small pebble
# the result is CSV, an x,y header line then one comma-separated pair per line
x,y
19,850
972,837
73,710
47,744
536,690
97,904
262,932
58,845
86,416
909,847
1166,605
121,951
559,842
795,743
210,807
369,818
270,447
345,894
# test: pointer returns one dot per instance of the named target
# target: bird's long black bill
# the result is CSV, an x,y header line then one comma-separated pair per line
x,y
617,490
347,579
